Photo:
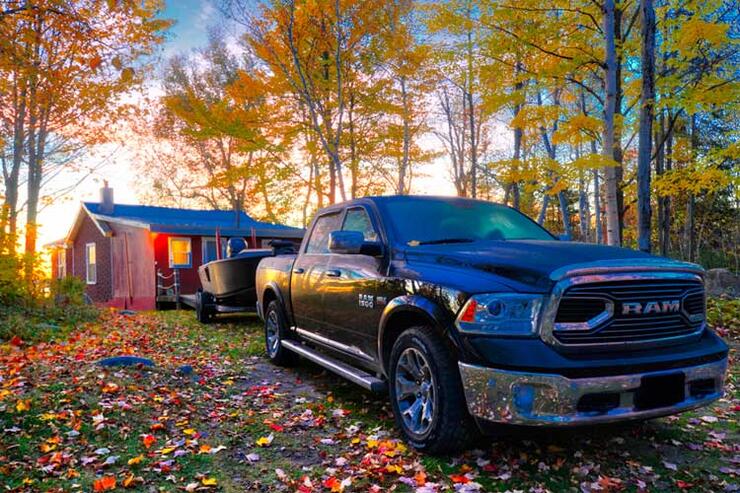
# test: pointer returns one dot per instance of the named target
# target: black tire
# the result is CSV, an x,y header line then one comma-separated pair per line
x,y
450,427
203,309
276,329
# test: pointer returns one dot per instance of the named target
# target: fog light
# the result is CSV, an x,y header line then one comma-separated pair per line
x,y
524,398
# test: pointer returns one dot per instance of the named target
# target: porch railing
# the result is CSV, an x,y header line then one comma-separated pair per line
x,y
168,293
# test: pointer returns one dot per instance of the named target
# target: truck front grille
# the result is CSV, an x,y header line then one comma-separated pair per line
x,y
641,310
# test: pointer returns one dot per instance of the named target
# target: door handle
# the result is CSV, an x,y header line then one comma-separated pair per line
x,y
333,273
299,270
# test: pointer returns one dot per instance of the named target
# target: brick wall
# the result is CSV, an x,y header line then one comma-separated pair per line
x,y
101,291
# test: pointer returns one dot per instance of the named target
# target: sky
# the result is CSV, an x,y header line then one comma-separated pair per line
x,y
192,19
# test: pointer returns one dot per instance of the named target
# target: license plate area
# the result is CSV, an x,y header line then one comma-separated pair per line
x,y
660,391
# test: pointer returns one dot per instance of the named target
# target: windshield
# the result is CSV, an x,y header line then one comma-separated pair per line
x,y
419,220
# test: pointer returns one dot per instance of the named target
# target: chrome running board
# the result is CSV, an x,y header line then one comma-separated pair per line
x,y
361,378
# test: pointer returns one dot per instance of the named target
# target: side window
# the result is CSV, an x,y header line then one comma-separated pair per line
x,y
319,241
91,264
180,252
358,220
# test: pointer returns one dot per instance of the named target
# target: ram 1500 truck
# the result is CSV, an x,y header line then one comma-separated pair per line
x,y
469,313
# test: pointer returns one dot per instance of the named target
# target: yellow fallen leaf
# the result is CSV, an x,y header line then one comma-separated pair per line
x,y
129,481
135,460
394,468
167,450
264,441
209,481
23,405
189,431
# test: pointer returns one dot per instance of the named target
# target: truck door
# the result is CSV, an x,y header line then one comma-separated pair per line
x,y
351,290
306,289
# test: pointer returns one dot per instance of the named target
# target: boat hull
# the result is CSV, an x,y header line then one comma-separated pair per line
x,y
231,281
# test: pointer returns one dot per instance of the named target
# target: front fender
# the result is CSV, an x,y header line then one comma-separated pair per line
x,y
275,288
418,305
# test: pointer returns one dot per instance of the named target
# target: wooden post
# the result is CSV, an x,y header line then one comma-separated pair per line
x,y
177,288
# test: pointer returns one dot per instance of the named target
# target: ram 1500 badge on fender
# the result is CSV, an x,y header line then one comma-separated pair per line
x,y
468,313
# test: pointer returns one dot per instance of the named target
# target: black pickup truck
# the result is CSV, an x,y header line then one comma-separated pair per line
x,y
470,314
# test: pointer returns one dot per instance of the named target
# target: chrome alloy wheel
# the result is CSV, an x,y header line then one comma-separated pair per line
x,y
272,332
414,386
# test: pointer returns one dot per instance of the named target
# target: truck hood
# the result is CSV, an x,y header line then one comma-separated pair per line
x,y
529,265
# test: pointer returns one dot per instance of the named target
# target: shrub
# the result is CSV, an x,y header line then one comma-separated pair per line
x,y
68,291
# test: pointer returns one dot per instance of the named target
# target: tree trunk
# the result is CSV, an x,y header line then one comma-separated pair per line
x,y
401,189
612,185
645,150
10,207
353,165
690,226
619,95
667,205
597,208
518,134
584,212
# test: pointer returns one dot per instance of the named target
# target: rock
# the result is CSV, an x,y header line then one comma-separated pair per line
x,y
722,282
125,361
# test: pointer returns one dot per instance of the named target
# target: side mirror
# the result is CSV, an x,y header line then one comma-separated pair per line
x,y
347,242
565,237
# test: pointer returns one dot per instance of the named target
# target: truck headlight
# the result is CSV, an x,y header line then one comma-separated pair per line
x,y
507,314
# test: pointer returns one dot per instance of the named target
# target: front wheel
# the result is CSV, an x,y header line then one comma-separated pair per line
x,y
275,330
426,393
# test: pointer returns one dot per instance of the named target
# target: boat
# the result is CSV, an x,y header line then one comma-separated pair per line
x,y
228,284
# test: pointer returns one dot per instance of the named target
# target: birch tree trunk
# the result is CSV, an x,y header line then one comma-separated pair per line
x,y
644,152
401,189
611,172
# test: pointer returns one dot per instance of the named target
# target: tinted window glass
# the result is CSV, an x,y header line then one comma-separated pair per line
x,y
425,220
358,220
319,241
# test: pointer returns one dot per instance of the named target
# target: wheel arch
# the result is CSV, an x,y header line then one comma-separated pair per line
x,y
405,312
272,292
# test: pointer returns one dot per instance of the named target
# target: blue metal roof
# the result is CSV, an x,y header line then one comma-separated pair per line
x,y
191,221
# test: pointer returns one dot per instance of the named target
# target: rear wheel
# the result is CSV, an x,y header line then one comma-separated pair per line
x,y
426,393
204,306
275,331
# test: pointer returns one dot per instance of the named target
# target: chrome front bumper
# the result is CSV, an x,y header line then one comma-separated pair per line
x,y
550,399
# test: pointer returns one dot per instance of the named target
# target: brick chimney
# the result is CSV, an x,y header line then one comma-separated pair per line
x,y
106,199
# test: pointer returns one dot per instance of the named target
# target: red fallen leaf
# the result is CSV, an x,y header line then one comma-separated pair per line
x,y
420,478
157,426
105,483
610,484
148,441
683,484
459,478
332,483
16,341
276,427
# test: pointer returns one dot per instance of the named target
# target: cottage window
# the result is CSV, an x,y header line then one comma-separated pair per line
x,y
91,265
61,263
180,253
209,249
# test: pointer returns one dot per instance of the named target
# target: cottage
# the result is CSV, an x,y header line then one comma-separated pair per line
x,y
119,250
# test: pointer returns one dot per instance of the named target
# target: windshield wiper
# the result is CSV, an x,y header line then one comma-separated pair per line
x,y
446,240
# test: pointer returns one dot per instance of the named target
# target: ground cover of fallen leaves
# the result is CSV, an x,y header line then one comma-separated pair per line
x,y
214,415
